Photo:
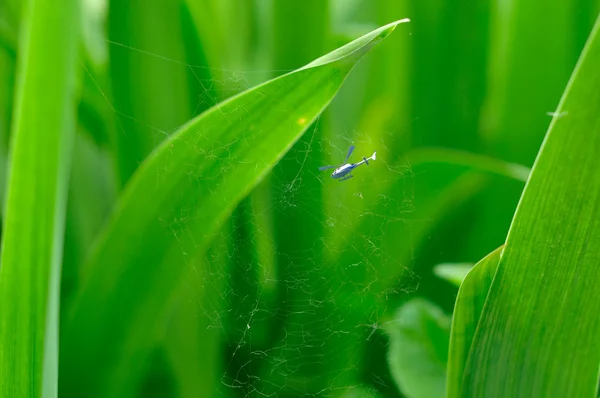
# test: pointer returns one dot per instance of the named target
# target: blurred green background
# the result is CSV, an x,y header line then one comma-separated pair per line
x,y
307,275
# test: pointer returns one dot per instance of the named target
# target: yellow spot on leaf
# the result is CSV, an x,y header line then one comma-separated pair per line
x,y
302,121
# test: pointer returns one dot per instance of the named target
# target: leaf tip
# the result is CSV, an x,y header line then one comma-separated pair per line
x,y
353,51
386,30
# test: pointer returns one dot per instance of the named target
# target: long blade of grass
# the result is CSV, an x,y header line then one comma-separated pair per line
x,y
9,12
527,343
467,311
153,29
521,55
40,152
527,70
193,182
7,70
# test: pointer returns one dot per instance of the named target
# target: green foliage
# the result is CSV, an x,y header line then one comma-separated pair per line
x,y
537,335
129,286
34,216
453,273
418,352
467,312
133,24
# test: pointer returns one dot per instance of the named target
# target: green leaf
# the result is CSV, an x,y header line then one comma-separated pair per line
x,y
453,272
193,330
471,160
229,32
418,350
32,236
538,334
169,212
92,32
7,71
518,96
91,196
514,116
147,61
467,311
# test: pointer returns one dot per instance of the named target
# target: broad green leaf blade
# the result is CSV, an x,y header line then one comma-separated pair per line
x,y
524,82
418,350
538,334
32,235
171,209
348,53
453,272
518,95
467,311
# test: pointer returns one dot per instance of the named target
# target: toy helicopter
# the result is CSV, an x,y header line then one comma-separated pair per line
x,y
343,171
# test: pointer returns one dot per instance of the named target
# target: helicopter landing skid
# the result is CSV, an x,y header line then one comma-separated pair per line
x,y
349,176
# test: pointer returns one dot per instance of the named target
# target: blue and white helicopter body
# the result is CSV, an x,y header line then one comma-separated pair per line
x,y
344,171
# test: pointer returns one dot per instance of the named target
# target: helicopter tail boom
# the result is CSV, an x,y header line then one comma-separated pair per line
x,y
366,160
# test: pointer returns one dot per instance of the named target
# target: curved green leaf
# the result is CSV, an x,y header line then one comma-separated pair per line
x,y
467,311
538,333
158,226
419,349
453,272
471,160
32,235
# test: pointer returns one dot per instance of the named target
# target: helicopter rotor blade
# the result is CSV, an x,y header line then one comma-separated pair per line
x,y
349,153
326,167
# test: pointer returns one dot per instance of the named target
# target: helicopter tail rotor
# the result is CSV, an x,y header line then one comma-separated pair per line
x,y
371,158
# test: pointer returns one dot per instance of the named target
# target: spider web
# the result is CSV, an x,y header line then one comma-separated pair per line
x,y
295,289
